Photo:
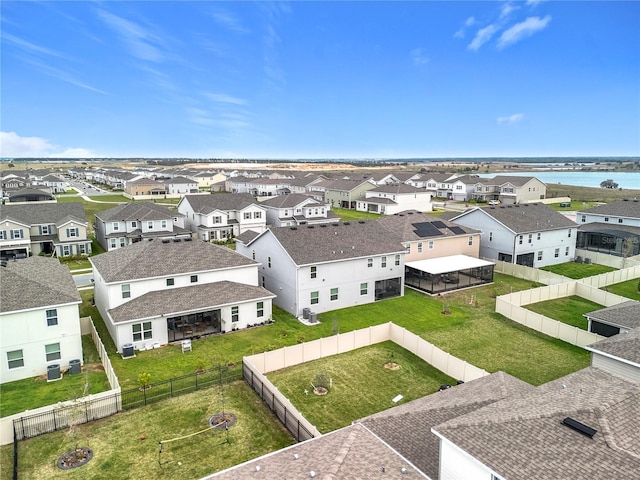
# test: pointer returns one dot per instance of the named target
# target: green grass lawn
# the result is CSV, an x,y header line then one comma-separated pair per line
x,y
30,393
567,310
629,289
120,453
578,270
575,205
357,374
347,215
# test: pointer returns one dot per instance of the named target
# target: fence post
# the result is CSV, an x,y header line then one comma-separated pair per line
x,y
196,381
15,453
144,393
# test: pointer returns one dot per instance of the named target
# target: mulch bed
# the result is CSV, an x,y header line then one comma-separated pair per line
x,y
75,458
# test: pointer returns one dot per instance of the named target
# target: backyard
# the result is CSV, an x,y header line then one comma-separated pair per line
x,y
373,375
567,310
629,289
578,270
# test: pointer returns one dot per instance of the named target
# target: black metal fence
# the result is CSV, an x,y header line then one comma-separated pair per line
x,y
290,421
78,413
15,456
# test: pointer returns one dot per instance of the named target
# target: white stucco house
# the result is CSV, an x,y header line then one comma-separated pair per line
x,y
328,266
529,234
389,199
155,292
134,222
181,186
222,216
39,318
296,209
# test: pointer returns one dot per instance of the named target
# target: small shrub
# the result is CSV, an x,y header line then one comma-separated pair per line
x,y
320,381
144,379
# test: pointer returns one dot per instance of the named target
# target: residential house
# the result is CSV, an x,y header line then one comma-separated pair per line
x,y
609,321
318,268
152,293
208,179
438,184
296,209
12,182
612,228
54,183
129,223
392,198
32,228
222,216
530,234
181,186
39,318
345,193
258,186
145,186
619,355
441,255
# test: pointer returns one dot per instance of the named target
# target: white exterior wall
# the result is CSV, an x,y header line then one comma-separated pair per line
x,y
616,367
257,224
28,331
613,219
182,188
11,243
456,464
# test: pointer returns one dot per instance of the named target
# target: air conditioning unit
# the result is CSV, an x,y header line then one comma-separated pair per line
x,y
313,317
306,312
127,350
53,372
74,367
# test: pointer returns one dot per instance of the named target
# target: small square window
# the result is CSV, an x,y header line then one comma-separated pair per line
x,y
52,317
170,282
194,278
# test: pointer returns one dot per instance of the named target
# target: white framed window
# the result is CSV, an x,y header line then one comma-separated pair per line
x,y
314,298
257,214
115,227
314,271
163,224
364,288
253,254
334,294
260,309
540,255
142,331
45,230
619,220
470,240
430,244
383,262
170,282
123,242
150,225
72,232
583,218
194,278
520,237
491,236
396,260
419,247
52,352
269,262
538,236
126,290
235,313
217,219
52,317
569,233
247,215
566,251
134,224
66,250
3,234
606,219
369,262
113,243
82,249
556,253
15,359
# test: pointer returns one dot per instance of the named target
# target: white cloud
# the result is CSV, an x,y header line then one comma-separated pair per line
x,y
224,98
31,47
13,145
142,43
418,57
511,119
507,8
482,36
470,22
523,30
229,21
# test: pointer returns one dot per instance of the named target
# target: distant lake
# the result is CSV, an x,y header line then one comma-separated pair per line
x,y
625,180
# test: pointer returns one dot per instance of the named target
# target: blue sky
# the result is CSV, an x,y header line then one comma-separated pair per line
x,y
302,79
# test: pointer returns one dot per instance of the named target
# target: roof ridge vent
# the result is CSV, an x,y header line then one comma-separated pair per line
x,y
347,223
579,427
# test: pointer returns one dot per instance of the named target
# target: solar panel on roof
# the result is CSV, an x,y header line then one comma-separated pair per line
x,y
439,224
426,229
457,230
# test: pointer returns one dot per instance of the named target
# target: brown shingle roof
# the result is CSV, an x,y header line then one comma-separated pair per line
x,y
137,211
150,259
625,346
401,226
43,213
625,314
36,282
619,208
205,204
528,217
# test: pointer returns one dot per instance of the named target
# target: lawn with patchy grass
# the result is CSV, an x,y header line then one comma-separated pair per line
x,y
357,374
567,310
119,452
629,289
578,270
30,393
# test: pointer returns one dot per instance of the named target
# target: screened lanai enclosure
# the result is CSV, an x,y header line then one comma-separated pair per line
x,y
445,274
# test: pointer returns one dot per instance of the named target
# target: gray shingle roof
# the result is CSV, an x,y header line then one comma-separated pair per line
x,y
620,208
175,301
137,211
335,241
43,213
528,217
345,185
36,282
397,188
523,437
625,346
625,314
206,204
407,428
351,453
616,229
400,225
177,180
150,259
289,201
